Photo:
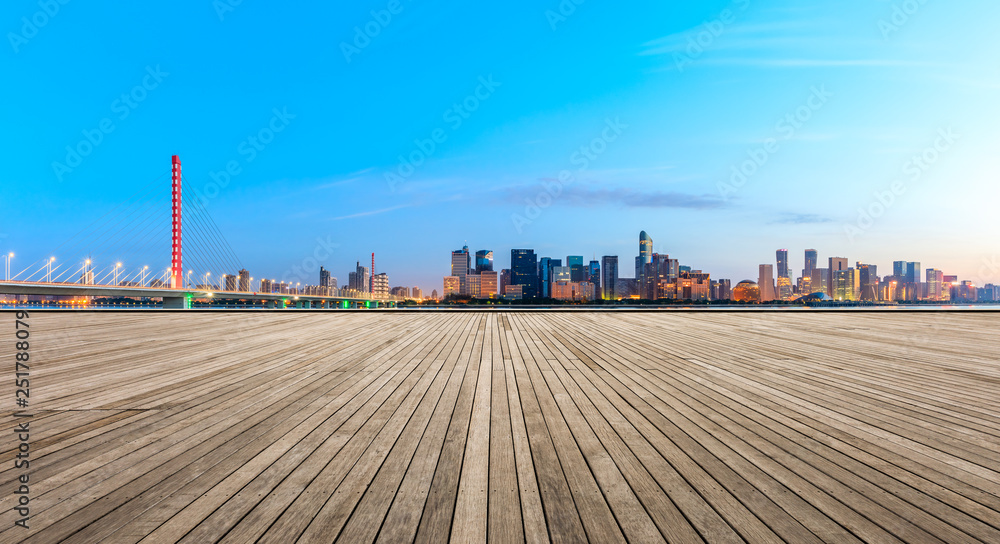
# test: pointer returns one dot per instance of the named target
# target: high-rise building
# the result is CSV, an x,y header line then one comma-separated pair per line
x,y
244,281
836,264
484,261
781,256
561,273
266,286
846,284
359,278
229,282
504,280
488,284
451,286
380,285
87,278
575,264
524,271
820,281
868,281
784,288
645,250
811,260
935,282
594,276
723,290
434,294
609,277
765,279
325,278
460,268
472,283
545,265
417,293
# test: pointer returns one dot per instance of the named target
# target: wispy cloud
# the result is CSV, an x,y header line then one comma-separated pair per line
x,y
371,212
800,219
628,197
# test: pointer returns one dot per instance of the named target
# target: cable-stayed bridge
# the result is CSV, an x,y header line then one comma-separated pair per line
x,y
111,256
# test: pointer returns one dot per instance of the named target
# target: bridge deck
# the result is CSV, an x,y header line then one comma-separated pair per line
x,y
642,427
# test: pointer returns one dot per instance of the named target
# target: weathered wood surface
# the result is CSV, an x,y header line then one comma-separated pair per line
x,y
509,427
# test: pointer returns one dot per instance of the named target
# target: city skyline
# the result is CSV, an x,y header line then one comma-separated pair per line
x,y
730,128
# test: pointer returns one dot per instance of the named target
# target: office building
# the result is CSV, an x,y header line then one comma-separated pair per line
x,y
812,258
934,285
723,290
781,257
451,286
765,280
460,268
417,293
488,284
609,277
575,265
846,284
472,283
868,280
561,273
484,261
594,275
524,271
545,265
359,280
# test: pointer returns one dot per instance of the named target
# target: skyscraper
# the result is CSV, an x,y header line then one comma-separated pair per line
x,y
784,275
594,276
545,266
359,278
576,270
781,256
836,264
868,280
484,261
524,271
460,268
811,260
645,254
609,276
765,279
324,277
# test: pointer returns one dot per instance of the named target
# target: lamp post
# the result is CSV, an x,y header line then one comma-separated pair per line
x,y
86,276
7,259
142,282
48,267
187,280
117,268
207,274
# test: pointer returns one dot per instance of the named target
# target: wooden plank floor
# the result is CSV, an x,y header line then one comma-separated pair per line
x,y
510,427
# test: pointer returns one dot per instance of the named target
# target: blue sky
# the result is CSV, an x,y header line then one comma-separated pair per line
x,y
831,104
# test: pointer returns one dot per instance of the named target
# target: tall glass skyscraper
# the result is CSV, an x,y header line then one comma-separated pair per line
x,y
781,256
524,271
645,254
609,276
575,264
812,257
460,268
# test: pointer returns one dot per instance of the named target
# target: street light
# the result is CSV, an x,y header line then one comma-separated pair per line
x,y
7,258
207,274
117,267
48,266
86,278
143,280
187,280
